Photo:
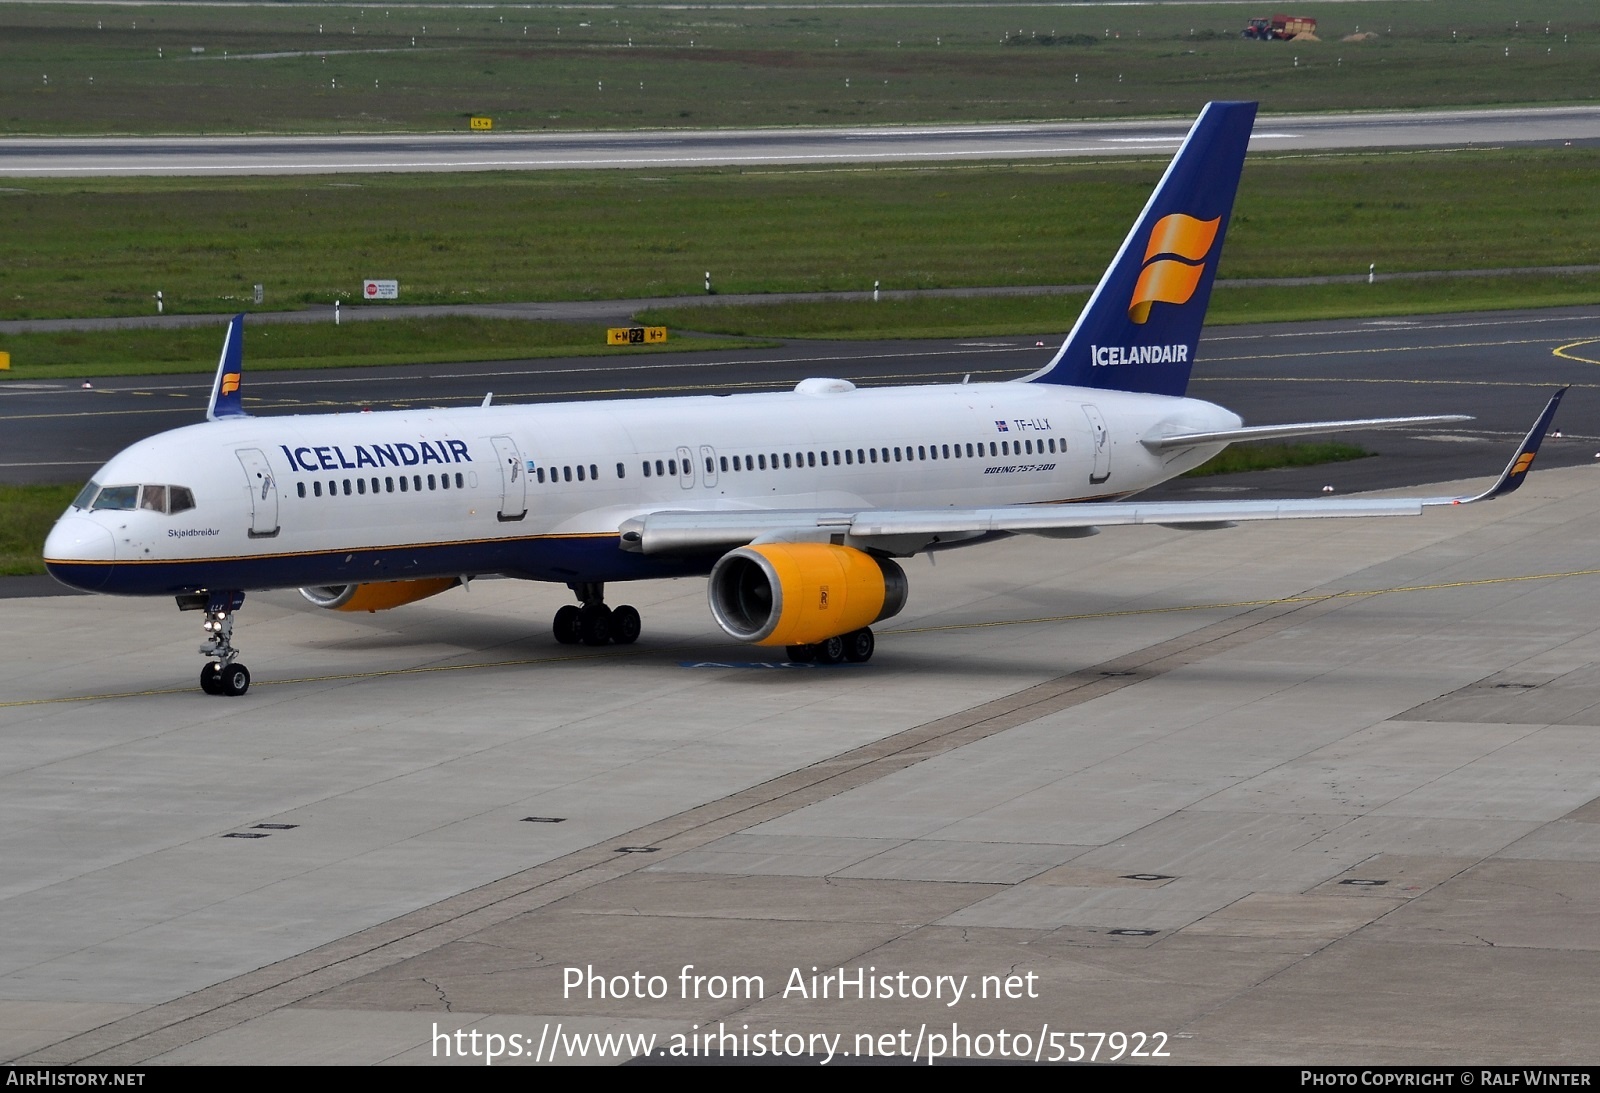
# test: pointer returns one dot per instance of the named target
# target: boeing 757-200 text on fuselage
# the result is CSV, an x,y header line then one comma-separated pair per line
x,y
796,503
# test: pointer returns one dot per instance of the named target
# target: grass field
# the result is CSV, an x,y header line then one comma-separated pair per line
x,y
1267,456
106,247
301,67
26,514
317,345
964,317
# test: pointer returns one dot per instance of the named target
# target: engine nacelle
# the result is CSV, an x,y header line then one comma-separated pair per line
x,y
802,593
379,596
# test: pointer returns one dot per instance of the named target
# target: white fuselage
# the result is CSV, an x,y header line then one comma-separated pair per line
x,y
540,491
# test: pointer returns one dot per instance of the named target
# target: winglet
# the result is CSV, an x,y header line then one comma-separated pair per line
x,y
226,398
1522,461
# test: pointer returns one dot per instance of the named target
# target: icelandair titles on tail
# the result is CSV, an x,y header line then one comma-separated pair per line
x,y
796,505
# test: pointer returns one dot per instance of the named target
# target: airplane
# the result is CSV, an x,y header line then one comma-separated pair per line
x,y
795,504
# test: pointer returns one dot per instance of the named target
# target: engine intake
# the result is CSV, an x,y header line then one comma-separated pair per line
x,y
802,593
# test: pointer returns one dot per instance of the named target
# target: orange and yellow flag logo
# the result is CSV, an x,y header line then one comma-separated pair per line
x,y
1172,280
230,382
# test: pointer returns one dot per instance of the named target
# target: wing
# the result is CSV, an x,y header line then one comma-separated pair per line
x,y
902,532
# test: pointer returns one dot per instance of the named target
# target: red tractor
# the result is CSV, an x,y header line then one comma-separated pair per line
x,y
1279,28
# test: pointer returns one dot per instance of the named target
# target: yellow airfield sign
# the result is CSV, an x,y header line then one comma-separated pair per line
x,y
636,335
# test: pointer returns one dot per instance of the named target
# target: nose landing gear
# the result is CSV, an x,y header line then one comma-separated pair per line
x,y
223,675
594,623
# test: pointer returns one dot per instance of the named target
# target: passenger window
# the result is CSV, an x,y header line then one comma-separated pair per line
x,y
347,487
811,459
388,484
316,489
672,465
836,457
538,476
459,481
416,482
431,482
762,460
594,473
786,459
580,472
824,459
922,453
300,488
897,455
375,486
153,498
658,468
646,466
361,486
566,474
849,457
444,481
874,452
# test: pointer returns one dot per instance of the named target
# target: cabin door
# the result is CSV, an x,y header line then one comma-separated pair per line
x,y
263,493
1100,439
513,479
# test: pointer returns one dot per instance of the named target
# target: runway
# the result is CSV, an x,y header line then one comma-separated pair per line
x,y
1493,366
1283,793
87,157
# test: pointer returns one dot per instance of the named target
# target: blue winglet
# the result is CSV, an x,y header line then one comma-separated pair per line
x,y
1521,462
1139,330
227,399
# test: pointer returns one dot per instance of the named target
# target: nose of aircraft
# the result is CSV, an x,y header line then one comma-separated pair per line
x,y
74,541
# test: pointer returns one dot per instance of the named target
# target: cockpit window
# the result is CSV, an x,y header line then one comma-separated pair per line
x,y
117,497
151,498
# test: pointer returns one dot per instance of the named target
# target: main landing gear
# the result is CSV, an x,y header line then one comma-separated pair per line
x,y
856,647
224,675
594,623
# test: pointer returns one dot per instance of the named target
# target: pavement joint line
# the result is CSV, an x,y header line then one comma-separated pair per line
x,y
142,1036
614,654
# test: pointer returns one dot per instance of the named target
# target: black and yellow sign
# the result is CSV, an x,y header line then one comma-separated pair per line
x,y
636,335
480,122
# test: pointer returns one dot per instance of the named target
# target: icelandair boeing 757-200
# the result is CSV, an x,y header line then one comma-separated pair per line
x,y
796,504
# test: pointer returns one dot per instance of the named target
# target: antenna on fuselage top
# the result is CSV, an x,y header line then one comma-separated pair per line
x,y
488,399
226,398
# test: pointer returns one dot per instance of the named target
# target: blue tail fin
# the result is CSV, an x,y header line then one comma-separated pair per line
x,y
1139,330
227,400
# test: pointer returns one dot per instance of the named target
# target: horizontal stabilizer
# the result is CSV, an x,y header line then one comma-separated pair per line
x,y
1304,428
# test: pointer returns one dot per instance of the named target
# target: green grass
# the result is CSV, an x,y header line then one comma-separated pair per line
x,y
984,316
1267,457
105,247
26,515
316,345
132,69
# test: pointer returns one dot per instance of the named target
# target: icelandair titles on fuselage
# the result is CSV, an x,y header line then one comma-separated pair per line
x,y
331,457
1138,354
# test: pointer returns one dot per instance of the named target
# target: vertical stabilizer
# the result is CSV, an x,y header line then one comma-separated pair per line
x,y
226,398
1139,330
